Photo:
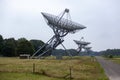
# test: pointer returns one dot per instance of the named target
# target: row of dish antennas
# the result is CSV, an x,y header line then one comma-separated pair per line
x,y
61,26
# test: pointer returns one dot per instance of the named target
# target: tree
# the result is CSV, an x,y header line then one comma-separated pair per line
x,y
113,52
24,47
37,44
9,47
1,44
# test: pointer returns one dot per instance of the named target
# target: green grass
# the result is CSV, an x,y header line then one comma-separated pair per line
x,y
83,68
24,76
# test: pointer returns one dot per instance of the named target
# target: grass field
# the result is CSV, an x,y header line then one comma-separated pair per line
x,y
115,59
82,68
24,76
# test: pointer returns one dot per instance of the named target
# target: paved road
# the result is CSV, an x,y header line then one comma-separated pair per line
x,y
112,70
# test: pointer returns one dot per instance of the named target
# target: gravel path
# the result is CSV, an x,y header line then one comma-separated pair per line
x,y
112,70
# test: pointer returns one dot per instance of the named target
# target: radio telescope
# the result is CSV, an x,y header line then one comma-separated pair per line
x,y
61,27
87,49
81,44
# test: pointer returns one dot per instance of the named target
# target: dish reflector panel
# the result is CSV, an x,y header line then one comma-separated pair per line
x,y
64,24
81,42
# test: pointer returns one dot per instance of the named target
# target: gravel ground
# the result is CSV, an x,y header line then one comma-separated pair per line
x,y
112,70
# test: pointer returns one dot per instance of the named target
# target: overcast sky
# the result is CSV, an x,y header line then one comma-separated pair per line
x,y
22,18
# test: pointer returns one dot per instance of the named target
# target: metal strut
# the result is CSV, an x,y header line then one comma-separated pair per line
x,y
79,49
66,50
48,47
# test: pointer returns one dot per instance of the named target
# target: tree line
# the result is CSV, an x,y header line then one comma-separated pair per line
x,y
11,47
111,52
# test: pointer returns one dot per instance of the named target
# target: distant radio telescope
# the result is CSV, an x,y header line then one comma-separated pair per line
x,y
81,44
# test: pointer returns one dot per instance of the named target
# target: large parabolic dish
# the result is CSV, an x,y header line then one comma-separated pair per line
x,y
63,24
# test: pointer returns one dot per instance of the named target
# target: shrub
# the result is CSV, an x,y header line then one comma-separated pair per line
x,y
110,56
